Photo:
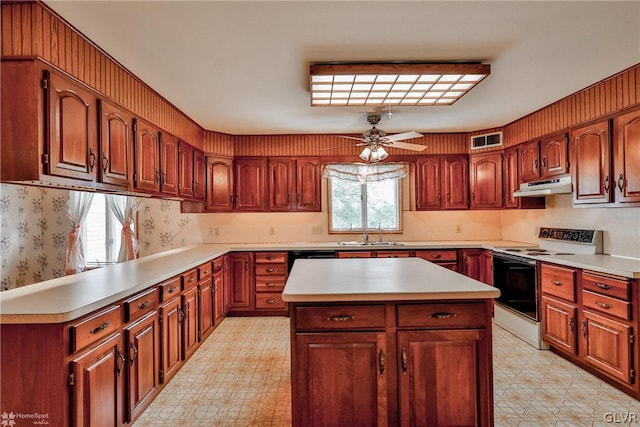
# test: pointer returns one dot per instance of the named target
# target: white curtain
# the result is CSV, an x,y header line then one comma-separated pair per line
x,y
365,172
124,209
78,207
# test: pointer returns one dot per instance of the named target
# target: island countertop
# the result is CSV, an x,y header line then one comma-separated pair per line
x,y
379,279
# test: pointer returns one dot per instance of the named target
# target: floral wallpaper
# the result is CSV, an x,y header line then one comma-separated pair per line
x,y
34,229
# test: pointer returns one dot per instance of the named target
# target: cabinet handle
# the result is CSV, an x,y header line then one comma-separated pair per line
x,y
92,161
180,315
583,328
442,315
603,305
438,197
341,318
105,162
606,184
145,304
270,257
448,196
102,327
381,361
172,289
270,284
535,165
122,359
572,323
403,359
436,256
603,285
473,197
270,270
190,279
621,182
157,177
544,162
135,353
246,265
556,282
271,301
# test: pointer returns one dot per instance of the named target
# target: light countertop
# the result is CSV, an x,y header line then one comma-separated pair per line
x,y
609,264
379,279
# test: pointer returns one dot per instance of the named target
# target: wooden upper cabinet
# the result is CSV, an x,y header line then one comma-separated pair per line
x,y
282,184
553,153
219,179
251,185
591,163
486,180
627,157
511,178
199,175
169,160
185,168
308,191
530,161
147,156
442,182
115,147
71,145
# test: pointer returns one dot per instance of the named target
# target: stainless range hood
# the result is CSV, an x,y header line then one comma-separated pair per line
x,y
561,185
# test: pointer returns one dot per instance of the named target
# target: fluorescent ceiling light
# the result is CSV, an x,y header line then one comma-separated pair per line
x,y
379,84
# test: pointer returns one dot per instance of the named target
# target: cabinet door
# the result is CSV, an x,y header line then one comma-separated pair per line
x,y
486,181
169,164
226,283
456,183
553,153
97,390
308,185
472,263
190,322
591,163
115,148
251,185
530,161
511,178
341,379
486,274
627,157
282,184
146,156
199,175
206,308
185,168
242,274
428,184
219,185
219,297
171,317
72,130
559,324
142,339
607,346
444,378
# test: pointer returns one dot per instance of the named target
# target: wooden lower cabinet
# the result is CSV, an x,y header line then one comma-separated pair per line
x,y
472,263
171,317
387,364
206,308
97,385
142,343
242,295
559,324
190,322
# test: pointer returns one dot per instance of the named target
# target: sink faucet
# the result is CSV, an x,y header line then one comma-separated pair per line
x,y
380,229
365,235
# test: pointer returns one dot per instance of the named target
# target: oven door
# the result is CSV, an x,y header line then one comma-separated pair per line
x,y
516,279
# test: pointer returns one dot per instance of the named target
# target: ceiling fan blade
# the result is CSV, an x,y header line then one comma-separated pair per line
x,y
407,146
401,136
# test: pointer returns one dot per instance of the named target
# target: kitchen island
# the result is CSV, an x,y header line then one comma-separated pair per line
x,y
397,341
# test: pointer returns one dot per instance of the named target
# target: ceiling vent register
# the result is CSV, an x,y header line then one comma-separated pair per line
x,y
486,140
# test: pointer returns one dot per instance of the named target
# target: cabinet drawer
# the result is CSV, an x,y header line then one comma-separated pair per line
x,y
605,304
438,256
94,328
558,281
169,289
204,271
271,270
271,257
268,284
189,279
617,288
340,317
392,254
218,264
354,254
140,304
271,300
442,315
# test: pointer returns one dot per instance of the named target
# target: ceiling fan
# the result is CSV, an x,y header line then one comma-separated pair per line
x,y
375,140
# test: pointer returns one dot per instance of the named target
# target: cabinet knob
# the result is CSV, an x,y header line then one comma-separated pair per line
x,y
621,182
403,359
381,361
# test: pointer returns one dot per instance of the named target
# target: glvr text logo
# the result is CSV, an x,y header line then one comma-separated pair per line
x,y
621,417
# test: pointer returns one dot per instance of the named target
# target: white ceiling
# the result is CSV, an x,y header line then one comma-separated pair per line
x,y
242,67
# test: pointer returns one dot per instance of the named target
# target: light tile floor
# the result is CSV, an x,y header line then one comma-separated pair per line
x,y
240,376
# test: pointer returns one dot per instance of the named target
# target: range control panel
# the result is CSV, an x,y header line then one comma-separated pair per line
x,y
568,235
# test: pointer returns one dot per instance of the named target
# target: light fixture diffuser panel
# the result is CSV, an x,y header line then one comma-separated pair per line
x,y
394,83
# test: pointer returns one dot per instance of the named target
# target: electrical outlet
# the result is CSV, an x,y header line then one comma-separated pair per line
x,y
316,230
458,229
216,231
272,231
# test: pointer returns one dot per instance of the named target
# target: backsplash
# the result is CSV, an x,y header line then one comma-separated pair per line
x,y
34,229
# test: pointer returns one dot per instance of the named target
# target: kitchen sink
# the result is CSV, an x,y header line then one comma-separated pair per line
x,y
360,243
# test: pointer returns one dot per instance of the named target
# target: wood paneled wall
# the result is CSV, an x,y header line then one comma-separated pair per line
x,y
218,144
31,29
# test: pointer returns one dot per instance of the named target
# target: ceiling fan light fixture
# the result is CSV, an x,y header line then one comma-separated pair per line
x,y
343,81
373,156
